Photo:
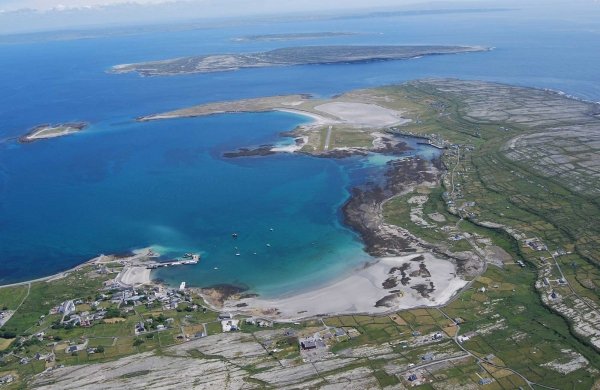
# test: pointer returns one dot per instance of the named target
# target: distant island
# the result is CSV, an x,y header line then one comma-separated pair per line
x,y
289,56
46,131
292,36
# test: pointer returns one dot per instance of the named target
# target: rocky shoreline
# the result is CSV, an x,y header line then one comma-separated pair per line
x,y
363,210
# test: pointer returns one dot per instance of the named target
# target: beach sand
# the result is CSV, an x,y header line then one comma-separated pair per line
x,y
317,120
362,114
134,276
363,288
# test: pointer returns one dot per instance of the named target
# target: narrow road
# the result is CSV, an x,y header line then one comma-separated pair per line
x,y
420,366
573,292
18,307
327,138
453,169
25,298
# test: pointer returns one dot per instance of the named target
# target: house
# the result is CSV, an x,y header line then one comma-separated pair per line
x,y
139,328
308,344
230,325
412,377
67,307
135,298
264,323
428,357
485,381
225,316
71,349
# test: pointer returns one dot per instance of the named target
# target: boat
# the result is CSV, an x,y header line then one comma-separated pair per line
x,y
234,235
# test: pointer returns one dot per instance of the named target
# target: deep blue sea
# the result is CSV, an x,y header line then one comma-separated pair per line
x,y
122,185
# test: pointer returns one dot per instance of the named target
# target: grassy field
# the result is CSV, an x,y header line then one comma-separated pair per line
x,y
487,186
44,295
11,298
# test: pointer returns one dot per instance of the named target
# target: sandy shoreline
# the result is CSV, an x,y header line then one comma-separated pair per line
x,y
317,120
364,291
134,276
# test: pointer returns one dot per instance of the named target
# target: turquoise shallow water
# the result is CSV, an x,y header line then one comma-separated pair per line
x,y
122,185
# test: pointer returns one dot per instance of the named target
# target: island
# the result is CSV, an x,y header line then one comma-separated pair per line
x,y
288,56
484,271
292,36
46,131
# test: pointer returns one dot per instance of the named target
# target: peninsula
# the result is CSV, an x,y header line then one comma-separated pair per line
x,y
288,56
517,184
46,131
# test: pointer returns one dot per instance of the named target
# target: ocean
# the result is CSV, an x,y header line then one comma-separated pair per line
x,y
122,185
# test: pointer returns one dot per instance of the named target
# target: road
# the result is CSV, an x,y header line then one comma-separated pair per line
x,y
453,169
480,361
327,138
573,292
12,312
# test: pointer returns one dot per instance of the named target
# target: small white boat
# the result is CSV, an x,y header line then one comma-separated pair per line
x,y
237,254
268,245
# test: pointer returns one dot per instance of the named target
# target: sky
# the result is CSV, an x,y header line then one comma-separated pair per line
x,y
22,16
210,5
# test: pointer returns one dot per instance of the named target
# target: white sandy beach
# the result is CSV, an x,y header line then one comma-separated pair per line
x,y
359,292
363,114
317,120
134,276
